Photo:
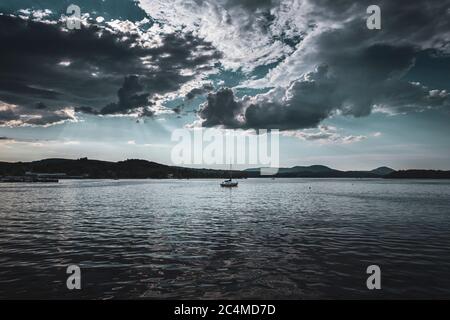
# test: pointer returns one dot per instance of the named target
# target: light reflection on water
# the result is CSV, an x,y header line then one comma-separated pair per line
x,y
284,238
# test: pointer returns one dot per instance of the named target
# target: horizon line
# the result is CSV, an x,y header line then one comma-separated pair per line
x,y
197,166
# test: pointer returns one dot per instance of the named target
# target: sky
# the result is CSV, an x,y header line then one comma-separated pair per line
x,y
340,94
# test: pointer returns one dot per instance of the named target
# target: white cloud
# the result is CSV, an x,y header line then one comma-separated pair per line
x,y
15,116
72,143
325,135
248,38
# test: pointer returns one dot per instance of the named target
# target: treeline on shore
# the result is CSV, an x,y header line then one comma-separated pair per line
x,y
142,169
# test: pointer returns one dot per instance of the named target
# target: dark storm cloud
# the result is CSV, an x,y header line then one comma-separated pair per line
x,y
303,105
199,91
7,114
177,110
12,115
48,118
146,113
315,97
130,97
359,71
221,109
422,22
40,106
86,110
43,66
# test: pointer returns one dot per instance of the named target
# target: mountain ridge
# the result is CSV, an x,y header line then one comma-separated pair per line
x,y
141,169
323,170
144,169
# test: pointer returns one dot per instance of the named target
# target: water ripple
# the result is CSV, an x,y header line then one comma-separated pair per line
x,y
288,238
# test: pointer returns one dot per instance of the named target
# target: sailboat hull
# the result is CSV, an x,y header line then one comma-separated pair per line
x,y
229,184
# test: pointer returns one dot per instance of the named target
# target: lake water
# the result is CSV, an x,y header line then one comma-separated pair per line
x,y
284,238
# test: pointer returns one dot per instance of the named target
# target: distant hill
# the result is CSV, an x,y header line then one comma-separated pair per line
x,y
142,169
382,171
314,169
95,169
318,171
419,174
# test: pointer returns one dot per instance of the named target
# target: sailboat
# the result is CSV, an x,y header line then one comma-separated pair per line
x,y
229,183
